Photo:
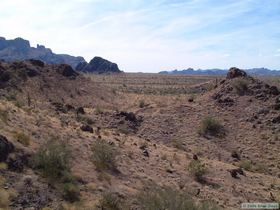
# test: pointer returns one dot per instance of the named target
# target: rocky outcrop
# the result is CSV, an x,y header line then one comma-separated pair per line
x,y
6,148
20,49
66,71
235,72
98,65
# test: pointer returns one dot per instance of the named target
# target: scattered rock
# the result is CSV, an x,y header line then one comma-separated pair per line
x,y
146,153
87,128
195,157
130,116
17,162
69,107
274,90
276,119
59,107
235,155
235,172
80,110
31,72
6,148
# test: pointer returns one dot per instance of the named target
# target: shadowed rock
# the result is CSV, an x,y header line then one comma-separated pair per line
x,y
235,72
6,148
98,65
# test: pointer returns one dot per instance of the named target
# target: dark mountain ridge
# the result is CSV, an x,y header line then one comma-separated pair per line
x,y
253,71
20,49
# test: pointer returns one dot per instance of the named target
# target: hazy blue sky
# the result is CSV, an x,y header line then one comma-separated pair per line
x,y
152,35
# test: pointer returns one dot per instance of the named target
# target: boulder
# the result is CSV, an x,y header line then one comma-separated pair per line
x,y
235,72
6,148
80,110
37,62
87,128
17,162
66,70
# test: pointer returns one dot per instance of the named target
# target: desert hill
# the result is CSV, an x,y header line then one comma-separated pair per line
x,y
98,65
219,143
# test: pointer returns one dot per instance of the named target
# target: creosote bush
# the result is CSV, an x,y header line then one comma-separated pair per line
x,y
167,198
197,169
71,192
240,85
111,201
248,165
53,160
104,155
142,104
211,126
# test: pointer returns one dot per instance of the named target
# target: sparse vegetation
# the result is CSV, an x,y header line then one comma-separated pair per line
x,y
248,165
22,138
110,201
71,192
197,169
177,143
98,110
104,155
168,198
142,104
4,199
4,116
53,159
240,85
211,126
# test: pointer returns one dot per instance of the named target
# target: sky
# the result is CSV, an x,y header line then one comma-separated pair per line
x,y
152,35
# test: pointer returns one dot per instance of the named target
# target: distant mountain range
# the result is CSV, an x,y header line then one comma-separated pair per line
x,y
19,49
253,71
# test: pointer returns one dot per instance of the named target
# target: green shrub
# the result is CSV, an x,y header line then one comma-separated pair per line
x,y
240,86
53,160
71,192
142,104
111,201
248,165
104,155
98,110
167,198
177,143
197,169
210,126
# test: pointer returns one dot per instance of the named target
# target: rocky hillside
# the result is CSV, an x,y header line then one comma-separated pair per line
x,y
98,65
67,142
20,49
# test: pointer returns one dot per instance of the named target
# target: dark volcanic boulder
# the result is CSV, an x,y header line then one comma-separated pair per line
x,y
66,70
37,62
98,65
87,128
6,148
235,72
